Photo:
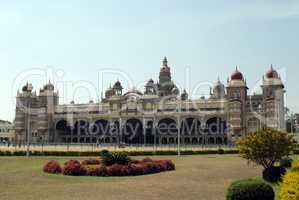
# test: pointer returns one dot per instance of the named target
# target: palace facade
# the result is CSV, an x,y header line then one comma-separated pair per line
x,y
160,114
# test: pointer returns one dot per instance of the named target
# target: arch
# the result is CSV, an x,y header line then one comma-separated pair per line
x,y
164,140
100,127
133,132
171,140
81,127
190,126
216,125
149,132
187,140
167,126
194,141
63,127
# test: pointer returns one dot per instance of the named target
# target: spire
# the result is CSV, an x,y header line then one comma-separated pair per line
x,y
165,61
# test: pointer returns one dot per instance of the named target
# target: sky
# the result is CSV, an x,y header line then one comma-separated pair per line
x,y
73,43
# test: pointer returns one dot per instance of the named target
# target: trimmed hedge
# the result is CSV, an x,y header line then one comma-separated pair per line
x,y
273,174
52,167
146,166
289,189
130,153
91,161
250,189
295,164
73,168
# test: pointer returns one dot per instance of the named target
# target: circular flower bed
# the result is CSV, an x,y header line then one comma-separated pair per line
x,y
94,167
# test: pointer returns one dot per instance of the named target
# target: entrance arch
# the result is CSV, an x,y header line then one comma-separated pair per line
x,y
133,132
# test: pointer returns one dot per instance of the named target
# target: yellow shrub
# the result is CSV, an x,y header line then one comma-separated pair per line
x,y
295,164
289,189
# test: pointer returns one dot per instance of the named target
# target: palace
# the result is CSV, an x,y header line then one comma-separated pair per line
x,y
158,115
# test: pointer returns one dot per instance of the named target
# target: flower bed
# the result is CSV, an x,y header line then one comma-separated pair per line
x,y
94,167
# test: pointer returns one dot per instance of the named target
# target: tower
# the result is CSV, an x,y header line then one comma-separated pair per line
x,y
165,75
273,100
48,100
237,96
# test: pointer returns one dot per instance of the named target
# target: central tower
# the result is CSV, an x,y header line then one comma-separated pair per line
x,y
165,75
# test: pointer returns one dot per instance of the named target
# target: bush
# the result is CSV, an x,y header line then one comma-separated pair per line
x,y
250,189
73,168
97,171
52,167
103,152
289,189
111,158
286,162
273,174
295,164
115,170
168,164
266,146
221,151
91,162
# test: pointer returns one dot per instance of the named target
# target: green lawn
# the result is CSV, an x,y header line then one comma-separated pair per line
x,y
196,177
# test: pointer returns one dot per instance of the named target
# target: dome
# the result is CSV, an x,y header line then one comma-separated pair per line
x,y
150,83
133,92
271,73
117,85
175,91
237,75
27,88
49,86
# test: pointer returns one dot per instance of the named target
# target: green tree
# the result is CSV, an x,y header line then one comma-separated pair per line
x,y
266,146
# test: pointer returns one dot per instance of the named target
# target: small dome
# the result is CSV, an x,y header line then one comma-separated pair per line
x,y
175,91
150,83
237,75
271,73
27,88
49,86
133,92
117,85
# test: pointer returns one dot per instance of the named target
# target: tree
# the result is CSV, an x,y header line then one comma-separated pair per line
x,y
266,146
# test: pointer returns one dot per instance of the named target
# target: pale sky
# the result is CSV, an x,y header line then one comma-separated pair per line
x,y
78,39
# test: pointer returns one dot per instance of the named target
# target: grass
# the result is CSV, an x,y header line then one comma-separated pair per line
x,y
196,177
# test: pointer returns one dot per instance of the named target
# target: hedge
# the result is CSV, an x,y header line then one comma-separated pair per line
x,y
130,153
250,189
289,189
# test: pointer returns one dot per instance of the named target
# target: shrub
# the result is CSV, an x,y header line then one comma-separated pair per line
x,y
220,151
136,169
273,174
168,164
286,162
295,164
289,189
266,146
91,162
147,160
73,168
103,152
52,167
250,189
97,171
134,161
111,158
115,170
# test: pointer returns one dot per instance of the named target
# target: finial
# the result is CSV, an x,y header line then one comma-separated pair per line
x,y
271,67
165,61
236,68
